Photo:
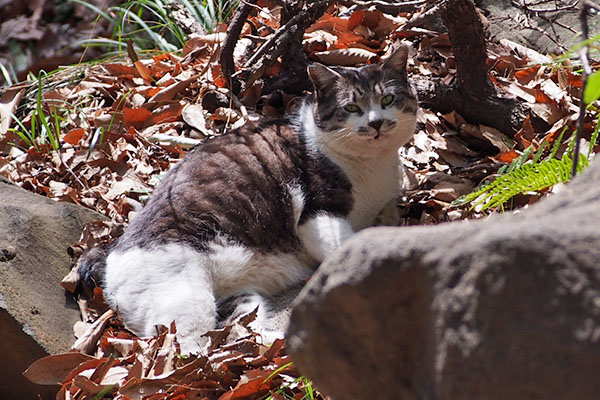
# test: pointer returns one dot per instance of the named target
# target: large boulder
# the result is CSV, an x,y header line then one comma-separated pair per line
x,y
541,31
504,308
36,318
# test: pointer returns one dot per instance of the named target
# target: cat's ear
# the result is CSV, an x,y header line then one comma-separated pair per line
x,y
397,60
322,76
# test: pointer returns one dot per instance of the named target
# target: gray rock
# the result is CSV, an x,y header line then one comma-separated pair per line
x,y
36,317
505,308
539,31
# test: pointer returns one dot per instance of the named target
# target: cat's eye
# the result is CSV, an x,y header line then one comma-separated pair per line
x,y
387,100
352,108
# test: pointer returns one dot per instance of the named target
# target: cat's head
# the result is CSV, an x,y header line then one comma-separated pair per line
x,y
365,110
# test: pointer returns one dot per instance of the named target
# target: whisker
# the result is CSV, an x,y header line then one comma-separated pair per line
x,y
343,138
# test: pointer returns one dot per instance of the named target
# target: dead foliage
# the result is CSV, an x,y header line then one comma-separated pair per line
x,y
127,367
125,123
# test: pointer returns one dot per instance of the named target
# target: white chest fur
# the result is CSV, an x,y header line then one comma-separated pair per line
x,y
375,182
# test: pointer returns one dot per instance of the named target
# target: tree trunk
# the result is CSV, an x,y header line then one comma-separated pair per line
x,y
472,94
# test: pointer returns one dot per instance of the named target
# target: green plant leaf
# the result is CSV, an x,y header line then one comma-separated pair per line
x,y
592,89
525,176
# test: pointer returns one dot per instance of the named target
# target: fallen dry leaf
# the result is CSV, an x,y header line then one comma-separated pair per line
x,y
74,136
54,369
87,343
350,56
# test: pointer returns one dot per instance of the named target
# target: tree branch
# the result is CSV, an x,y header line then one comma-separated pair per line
x,y
527,8
281,40
184,18
422,18
275,38
233,35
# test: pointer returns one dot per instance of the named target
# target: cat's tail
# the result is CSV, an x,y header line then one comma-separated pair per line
x,y
91,266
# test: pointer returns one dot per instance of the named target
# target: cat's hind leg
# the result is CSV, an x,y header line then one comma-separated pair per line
x,y
241,306
160,285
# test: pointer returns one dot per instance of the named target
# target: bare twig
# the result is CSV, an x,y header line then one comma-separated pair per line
x,y
255,38
529,11
83,186
420,19
543,32
537,3
527,7
526,24
552,22
266,46
184,18
233,34
269,51
278,46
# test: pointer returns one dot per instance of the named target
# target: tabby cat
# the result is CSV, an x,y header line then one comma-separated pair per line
x,y
255,211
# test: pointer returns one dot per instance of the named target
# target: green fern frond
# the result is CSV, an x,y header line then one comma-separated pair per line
x,y
558,142
529,178
523,176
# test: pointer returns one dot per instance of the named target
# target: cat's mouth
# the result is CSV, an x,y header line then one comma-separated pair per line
x,y
376,137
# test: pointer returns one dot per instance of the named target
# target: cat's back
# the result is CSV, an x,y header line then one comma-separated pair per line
x,y
234,185
258,151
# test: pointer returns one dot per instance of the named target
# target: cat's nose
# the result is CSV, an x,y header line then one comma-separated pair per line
x,y
376,124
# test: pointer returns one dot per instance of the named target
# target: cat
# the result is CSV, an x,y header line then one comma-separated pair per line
x,y
255,211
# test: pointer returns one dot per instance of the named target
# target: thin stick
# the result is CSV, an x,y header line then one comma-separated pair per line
x,y
233,35
83,186
426,16
556,8
273,39
269,51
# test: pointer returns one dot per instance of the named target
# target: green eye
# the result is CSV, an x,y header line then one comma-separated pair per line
x,y
387,100
352,108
